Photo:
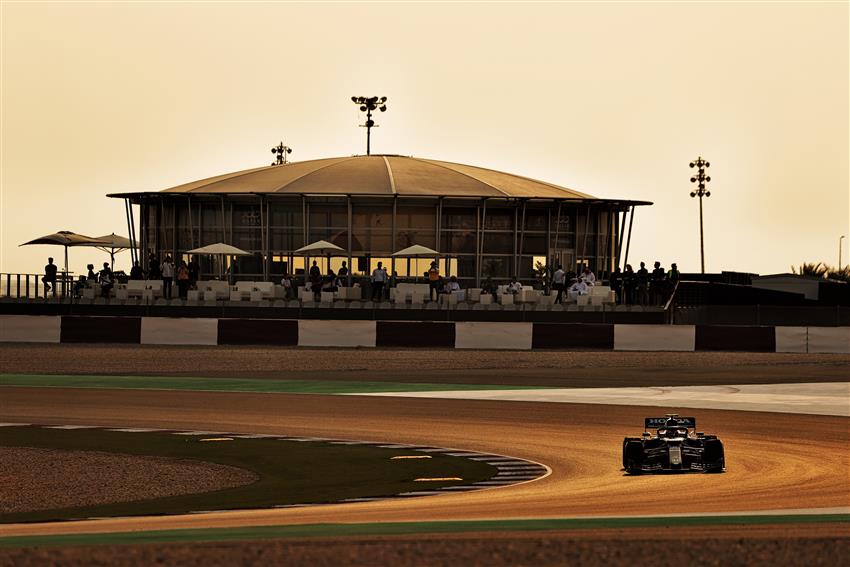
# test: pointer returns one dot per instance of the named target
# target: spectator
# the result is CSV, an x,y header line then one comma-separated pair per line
x,y
588,277
642,285
91,275
82,283
286,282
379,278
558,283
167,270
106,280
154,273
316,280
578,288
514,287
628,285
194,272
136,272
49,279
487,286
617,283
331,281
658,284
386,289
183,280
433,281
673,275
343,274
452,285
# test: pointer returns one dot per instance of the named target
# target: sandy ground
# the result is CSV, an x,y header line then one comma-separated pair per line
x,y
602,548
41,479
556,368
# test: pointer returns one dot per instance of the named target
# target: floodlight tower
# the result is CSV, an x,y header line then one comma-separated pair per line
x,y
281,151
701,179
367,105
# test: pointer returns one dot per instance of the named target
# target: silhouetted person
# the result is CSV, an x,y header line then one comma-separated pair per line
x,y
183,280
316,280
487,286
617,283
657,283
194,271
343,274
433,281
136,272
49,279
628,285
154,271
91,275
559,283
106,280
379,279
642,285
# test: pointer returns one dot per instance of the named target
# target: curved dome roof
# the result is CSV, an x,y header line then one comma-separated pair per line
x,y
379,175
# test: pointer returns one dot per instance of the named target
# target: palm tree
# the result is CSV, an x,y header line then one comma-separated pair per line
x,y
818,270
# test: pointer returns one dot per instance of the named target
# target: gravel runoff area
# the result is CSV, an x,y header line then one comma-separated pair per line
x,y
43,479
545,368
600,548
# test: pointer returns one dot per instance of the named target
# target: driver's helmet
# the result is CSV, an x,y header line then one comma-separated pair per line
x,y
671,423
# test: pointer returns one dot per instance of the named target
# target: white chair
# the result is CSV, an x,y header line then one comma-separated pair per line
x,y
209,295
327,297
257,295
527,295
485,298
236,295
582,299
121,293
506,299
473,294
193,295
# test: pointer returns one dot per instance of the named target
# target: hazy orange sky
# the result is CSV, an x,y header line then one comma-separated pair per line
x,y
612,99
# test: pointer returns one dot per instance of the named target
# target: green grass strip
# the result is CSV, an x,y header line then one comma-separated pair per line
x,y
235,384
403,528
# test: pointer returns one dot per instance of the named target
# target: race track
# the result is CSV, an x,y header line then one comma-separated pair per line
x,y
775,461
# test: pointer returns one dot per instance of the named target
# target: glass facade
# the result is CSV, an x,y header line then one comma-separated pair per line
x,y
476,238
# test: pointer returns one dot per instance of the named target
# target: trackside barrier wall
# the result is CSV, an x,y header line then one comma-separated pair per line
x,y
515,336
421,334
654,337
319,333
829,339
27,329
791,339
426,334
731,338
125,330
179,331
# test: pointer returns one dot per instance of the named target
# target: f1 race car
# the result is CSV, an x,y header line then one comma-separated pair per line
x,y
675,446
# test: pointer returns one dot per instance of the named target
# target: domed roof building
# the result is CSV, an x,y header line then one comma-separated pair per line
x,y
482,222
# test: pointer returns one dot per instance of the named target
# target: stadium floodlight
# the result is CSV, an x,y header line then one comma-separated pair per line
x,y
700,179
281,151
367,105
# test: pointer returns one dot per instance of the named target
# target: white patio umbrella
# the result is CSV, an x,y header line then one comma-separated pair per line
x,y
111,244
319,247
64,238
219,249
416,251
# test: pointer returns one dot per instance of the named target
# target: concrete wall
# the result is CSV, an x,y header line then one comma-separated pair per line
x,y
654,337
27,329
179,331
317,333
513,336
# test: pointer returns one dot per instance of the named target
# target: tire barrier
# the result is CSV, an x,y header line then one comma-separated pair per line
x,y
419,334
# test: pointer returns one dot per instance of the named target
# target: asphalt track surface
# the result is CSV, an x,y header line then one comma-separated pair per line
x,y
775,461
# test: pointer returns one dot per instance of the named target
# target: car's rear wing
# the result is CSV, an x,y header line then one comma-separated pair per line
x,y
659,422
